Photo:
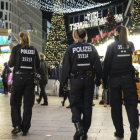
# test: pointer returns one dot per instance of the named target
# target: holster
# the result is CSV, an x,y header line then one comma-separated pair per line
x,y
90,73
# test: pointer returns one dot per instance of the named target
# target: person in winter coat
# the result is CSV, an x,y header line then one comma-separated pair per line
x,y
43,71
4,76
53,73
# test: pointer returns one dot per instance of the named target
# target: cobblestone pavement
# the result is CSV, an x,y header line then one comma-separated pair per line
x,y
54,122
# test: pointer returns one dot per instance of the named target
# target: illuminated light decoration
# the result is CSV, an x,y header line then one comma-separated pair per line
x,y
111,22
135,18
92,20
57,40
64,6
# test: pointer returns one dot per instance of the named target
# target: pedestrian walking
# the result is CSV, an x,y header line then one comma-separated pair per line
x,y
118,68
43,71
25,60
82,62
5,75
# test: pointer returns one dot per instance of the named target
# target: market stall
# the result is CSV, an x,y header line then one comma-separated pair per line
x,y
136,63
5,42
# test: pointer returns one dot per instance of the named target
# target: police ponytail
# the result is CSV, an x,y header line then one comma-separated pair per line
x,y
24,39
79,35
123,35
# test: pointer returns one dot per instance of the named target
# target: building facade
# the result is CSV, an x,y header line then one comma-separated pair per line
x,y
45,33
19,16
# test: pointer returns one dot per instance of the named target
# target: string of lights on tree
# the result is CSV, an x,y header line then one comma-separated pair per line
x,y
135,18
111,23
64,6
57,40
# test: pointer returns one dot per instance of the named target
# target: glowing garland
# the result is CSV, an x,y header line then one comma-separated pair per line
x,y
63,6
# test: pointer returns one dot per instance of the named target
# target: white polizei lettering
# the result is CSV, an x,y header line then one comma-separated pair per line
x,y
89,49
24,51
123,55
78,49
74,49
82,49
87,64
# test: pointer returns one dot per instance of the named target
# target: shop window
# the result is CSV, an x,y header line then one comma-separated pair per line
x,y
2,5
10,25
1,15
10,7
6,5
6,25
9,16
5,15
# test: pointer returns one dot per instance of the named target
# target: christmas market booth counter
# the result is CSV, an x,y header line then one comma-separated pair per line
x,y
136,63
5,41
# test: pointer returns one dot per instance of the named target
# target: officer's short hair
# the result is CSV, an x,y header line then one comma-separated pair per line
x,y
42,56
25,38
79,35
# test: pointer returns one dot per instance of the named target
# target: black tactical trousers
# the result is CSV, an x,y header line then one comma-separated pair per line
x,y
127,86
43,94
81,96
23,86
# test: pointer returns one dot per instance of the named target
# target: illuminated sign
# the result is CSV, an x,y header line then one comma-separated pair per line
x,y
5,40
5,49
92,20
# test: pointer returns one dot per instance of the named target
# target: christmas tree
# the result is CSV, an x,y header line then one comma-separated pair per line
x,y
57,40
110,21
135,18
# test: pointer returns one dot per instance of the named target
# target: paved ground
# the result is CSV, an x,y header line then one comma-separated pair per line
x,y
54,122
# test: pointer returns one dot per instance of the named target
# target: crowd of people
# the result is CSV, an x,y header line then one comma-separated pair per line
x,y
80,75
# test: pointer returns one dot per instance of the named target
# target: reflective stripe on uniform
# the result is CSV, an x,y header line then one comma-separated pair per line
x,y
23,67
87,64
123,55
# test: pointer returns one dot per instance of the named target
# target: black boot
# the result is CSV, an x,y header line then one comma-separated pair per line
x,y
38,101
16,130
134,134
63,103
85,137
79,131
118,135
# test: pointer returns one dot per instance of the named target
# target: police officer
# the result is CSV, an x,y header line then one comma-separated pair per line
x,y
118,67
82,62
25,60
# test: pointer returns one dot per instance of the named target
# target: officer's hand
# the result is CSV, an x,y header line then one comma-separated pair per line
x,y
97,82
65,88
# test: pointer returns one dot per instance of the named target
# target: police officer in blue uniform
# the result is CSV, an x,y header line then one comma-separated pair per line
x,y
25,60
118,67
82,62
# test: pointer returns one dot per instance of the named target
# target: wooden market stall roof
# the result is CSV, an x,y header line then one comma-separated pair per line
x,y
3,32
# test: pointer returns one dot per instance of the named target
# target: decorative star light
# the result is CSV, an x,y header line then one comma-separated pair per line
x,y
64,6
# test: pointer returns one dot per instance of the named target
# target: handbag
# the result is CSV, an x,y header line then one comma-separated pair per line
x,y
37,78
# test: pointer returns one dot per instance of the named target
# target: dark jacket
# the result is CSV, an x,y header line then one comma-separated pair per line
x,y
14,58
5,74
118,61
53,74
81,57
43,71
